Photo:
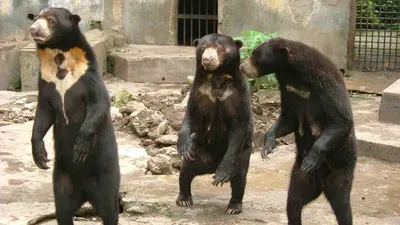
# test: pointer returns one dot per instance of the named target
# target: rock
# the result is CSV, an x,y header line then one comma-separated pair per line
x,y
136,210
257,108
145,120
153,151
169,139
28,114
159,164
186,99
176,161
16,110
131,107
21,101
160,130
5,110
147,142
30,106
5,123
115,115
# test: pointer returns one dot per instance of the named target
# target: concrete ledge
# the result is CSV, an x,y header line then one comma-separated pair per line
x,y
389,110
379,140
29,62
154,64
9,64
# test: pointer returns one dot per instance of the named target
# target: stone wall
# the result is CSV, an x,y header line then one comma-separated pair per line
x,y
14,25
323,24
150,21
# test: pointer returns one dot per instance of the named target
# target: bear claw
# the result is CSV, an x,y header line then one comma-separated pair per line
x,y
184,201
233,208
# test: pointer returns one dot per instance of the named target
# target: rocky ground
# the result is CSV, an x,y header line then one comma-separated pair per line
x,y
147,118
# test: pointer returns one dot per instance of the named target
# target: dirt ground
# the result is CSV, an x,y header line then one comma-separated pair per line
x,y
26,191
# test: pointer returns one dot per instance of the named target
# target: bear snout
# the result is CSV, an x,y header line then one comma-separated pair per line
x,y
210,59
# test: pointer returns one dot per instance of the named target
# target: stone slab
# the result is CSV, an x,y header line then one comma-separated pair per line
x,y
389,110
154,64
379,140
98,40
9,64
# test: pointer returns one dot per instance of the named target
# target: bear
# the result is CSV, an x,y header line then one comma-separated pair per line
x,y
72,98
217,130
315,106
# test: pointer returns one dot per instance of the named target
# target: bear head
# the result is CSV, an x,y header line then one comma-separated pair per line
x,y
217,52
53,26
269,57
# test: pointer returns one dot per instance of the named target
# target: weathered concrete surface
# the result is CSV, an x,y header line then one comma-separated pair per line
x,y
389,111
379,140
370,82
155,64
27,191
9,64
322,24
98,40
14,25
151,22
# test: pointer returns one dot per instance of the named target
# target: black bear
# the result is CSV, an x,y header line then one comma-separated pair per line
x,y
316,107
217,130
73,98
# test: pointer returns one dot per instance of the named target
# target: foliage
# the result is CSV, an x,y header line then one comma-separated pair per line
x,y
378,14
251,39
122,98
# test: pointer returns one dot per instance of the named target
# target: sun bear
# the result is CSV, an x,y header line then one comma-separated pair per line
x,y
74,100
217,131
316,107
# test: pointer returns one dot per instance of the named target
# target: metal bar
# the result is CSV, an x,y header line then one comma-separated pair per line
x,y
366,37
191,22
359,37
390,36
372,40
396,56
199,35
184,23
214,13
206,15
379,40
384,46
194,16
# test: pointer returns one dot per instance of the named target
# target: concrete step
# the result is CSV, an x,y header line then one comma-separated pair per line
x,y
100,42
389,110
153,63
379,140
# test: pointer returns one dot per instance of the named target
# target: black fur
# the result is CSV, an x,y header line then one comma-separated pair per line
x,y
217,136
86,166
322,122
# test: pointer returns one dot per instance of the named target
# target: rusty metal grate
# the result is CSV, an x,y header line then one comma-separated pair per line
x,y
196,18
377,45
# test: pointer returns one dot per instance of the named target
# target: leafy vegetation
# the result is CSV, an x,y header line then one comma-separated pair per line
x,y
378,14
122,98
251,39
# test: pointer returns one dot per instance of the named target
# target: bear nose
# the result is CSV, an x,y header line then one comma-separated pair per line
x,y
33,30
206,61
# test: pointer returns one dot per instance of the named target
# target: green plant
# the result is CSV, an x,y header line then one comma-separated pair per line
x,y
251,39
122,98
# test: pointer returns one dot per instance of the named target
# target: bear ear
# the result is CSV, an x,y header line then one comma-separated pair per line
x,y
238,43
76,18
281,51
196,42
31,16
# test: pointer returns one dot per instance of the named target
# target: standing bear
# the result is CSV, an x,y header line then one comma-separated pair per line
x,y
74,100
217,130
316,107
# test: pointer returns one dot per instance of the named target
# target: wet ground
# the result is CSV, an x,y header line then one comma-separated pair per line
x,y
26,191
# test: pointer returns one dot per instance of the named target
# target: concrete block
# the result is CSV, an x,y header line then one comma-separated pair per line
x,y
9,64
389,110
30,62
379,140
154,64
29,67
150,22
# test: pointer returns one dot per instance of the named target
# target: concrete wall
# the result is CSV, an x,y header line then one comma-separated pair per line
x,y
14,25
150,21
323,24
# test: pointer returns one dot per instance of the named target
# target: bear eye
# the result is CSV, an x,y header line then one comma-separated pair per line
x,y
51,21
